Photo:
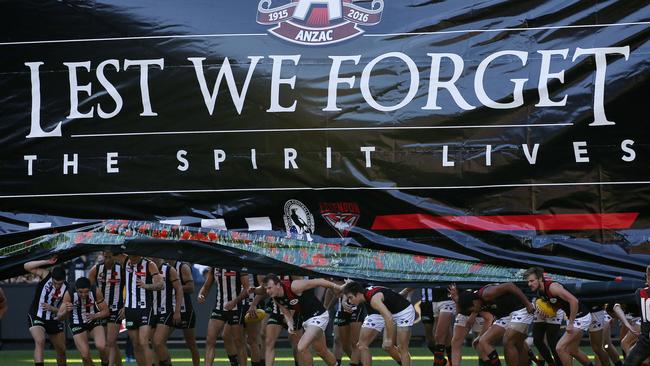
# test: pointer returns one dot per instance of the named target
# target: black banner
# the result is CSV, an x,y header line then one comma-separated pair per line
x,y
508,133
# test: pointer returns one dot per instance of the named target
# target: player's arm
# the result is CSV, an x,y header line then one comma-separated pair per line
x,y
3,304
488,319
34,267
158,283
407,291
300,286
377,303
288,317
245,285
618,313
92,275
207,285
101,305
555,289
178,293
187,279
66,306
494,292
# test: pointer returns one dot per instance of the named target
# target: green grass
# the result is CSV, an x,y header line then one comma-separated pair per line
x,y
421,357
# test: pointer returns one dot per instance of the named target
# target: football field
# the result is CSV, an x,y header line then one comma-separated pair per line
x,y
421,357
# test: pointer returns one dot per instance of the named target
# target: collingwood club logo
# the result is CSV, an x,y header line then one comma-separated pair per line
x,y
341,216
318,22
298,221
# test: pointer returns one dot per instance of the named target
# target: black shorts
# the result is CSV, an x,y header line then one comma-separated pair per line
x,y
426,312
164,319
188,321
86,327
232,317
343,318
136,318
278,319
113,318
50,326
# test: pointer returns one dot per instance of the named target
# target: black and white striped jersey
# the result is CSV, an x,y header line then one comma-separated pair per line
x,y
82,307
435,294
138,298
164,301
228,287
110,281
47,293
186,303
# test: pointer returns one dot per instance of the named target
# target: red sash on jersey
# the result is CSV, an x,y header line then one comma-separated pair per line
x,y
480,291
644,293
370,293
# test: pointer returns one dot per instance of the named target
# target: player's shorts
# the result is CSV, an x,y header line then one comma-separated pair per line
x,y
583,323
403,319
343,318
136,318
164,319
557,319
278,319
86,327
232,317
319,321
113,318
461,321
597,321
502,322
608,318
431,310
520,320
188,320
50,326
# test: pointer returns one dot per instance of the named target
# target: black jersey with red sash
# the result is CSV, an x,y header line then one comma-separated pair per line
x,y
307,304
502,306
559,303
392,300
643,301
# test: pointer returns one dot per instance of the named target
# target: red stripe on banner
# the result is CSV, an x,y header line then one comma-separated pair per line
x,y
506,223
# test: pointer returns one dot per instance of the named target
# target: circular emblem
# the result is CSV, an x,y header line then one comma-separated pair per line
x,y
298,221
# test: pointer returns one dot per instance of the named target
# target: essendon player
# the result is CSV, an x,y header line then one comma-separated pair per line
x,y
438,312
298,297
479,324
166,309
513,313
385,308
108,276
641,351
232,289
188,318
578,314
141,280
42,313
86,309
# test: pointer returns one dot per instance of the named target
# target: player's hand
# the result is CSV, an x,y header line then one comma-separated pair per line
x,y
229,305
201,299
530,308
569,328
140,284
632,329
90,317
252,312
346,306
290,329
69,306
48,307
177,317
53,260
388,343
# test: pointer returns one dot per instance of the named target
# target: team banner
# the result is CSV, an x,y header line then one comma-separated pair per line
x,y
488,132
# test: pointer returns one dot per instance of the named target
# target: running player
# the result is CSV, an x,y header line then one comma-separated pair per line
x,y
438,312
578,314
166,309
546,334
513,313
347,326
641,351
142,280
232,289
478,324
298,296
385,308
109,277
42,313
252,329
188,318
87,309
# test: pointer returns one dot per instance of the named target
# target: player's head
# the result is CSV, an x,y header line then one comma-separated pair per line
x,y
82,286
469,302
109,256
134,258
535,278
353,292
273,285
58,276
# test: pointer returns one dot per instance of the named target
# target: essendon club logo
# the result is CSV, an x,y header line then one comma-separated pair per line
x,y
318,22
341,216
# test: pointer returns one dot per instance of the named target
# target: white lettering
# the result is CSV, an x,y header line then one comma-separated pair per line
x,y
276,81
335,80
183,165
290,155
35,129
75,88
219,157
74,163
144,81
630,153
450,85
30,159
110,89
111,163
531,157
445,156
367,150
518,92
413,87
546,75
334,8
579,151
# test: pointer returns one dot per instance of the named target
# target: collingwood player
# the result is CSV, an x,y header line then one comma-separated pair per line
x,y
166,309
85,309
108,276
385,308
513,313
298,297
141,280
232,289
42,313
641,351
188,318
438,312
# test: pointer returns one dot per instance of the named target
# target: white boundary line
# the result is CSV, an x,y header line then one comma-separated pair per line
x,y
323,189
519,29
313,130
